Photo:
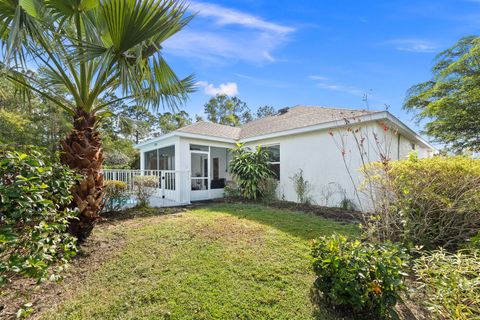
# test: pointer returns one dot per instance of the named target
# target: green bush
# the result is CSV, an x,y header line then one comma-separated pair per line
x,y
249,168
432,202
364,277
116,195
450,282
34,215
232,192
268,189
144,187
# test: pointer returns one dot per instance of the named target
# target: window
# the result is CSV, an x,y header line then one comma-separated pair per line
x,y
274,157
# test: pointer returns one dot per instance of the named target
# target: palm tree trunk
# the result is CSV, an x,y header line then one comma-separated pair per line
x,y
82,151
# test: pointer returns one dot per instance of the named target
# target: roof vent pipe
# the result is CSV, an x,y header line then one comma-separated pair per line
x,y
283,111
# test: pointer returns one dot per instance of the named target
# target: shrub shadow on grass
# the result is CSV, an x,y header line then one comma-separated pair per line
x,y
298,224
139,212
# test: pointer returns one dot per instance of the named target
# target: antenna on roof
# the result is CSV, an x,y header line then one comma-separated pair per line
x,y
365,100
283,110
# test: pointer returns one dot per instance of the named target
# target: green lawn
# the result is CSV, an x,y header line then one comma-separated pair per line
x,y
219,262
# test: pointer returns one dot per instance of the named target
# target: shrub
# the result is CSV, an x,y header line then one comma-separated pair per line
x,y
144,187
364,277
451,283
116,195
268,189
430,202
303,188
347,204
250,167
34,215
232,191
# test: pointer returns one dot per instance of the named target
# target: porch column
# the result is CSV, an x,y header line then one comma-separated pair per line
x,y
142,160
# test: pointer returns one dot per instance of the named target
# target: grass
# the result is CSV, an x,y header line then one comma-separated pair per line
x,y
221,261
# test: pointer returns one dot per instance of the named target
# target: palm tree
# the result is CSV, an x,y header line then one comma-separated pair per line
x,y
90,48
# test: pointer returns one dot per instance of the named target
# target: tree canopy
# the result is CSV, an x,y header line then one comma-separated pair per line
x,y
266,111
227,110
173,121
450,101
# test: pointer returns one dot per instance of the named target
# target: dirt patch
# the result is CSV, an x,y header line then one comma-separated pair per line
x,y
93,253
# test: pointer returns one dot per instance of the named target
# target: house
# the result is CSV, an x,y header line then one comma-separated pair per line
x,y
325,143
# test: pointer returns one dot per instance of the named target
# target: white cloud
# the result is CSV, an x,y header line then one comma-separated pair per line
x,y
317,77
223,35
225,16
325,83
413,45
229,88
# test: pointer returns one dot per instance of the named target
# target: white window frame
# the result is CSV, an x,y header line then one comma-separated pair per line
x,y
280,156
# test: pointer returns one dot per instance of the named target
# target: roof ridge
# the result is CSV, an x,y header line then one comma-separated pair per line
x,y
335,108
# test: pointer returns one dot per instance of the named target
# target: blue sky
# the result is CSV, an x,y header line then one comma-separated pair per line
x,y
330,53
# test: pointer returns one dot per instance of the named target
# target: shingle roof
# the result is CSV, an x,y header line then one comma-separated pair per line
x,y
212,129
297,117
293,118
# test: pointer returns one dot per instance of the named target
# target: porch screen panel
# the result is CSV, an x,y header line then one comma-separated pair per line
x,y
199,171
151,160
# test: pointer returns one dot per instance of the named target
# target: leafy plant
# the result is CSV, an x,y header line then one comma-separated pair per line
x,y
232,191
449,100
451,283
34,215
362,276
116,195
250,167
268,189
347,204
144,187
303,188
428,202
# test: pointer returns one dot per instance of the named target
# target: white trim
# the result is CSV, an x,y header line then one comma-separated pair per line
x,y
380,115
185,135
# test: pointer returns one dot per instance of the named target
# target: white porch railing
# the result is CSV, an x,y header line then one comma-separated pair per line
x,y
173,185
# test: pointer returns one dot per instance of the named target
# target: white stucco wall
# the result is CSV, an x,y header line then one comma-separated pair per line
x,y
319,155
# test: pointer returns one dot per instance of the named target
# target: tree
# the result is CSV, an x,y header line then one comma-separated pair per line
x,y
88,49
34,122
230,111
266,111
450,101
173,121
